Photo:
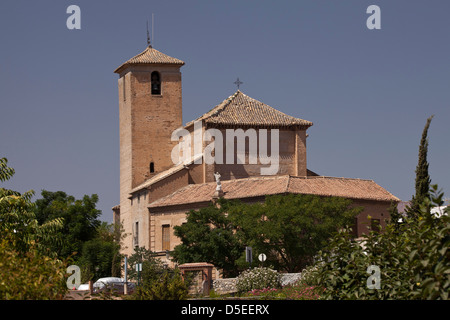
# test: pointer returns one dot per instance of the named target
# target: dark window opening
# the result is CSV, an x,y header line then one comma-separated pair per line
x,y
152,167
156,83
136,234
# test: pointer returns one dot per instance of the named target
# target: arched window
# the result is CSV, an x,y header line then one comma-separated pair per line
x,y
156,82
152,167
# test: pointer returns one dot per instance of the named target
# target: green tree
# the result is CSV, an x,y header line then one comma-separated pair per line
x,y
18,222
28,269
30,275
80,220
152,267
100,257
423,180
291,229
413,259
209,236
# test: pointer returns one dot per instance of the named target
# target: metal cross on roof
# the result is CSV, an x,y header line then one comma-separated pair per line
x,y
238,83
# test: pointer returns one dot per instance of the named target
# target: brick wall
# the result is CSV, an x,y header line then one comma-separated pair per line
x,y
146,123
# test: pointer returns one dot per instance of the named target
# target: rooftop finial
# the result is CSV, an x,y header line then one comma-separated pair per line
x,y
238,83
148,36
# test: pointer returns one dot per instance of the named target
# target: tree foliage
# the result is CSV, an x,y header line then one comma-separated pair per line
x,y
18,222
423,180
413,258
156,281
30,275
28,269
289,229
80,220
209,236
152,267
100,257
169,286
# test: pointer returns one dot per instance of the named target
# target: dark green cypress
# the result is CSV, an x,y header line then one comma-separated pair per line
x,y
423,180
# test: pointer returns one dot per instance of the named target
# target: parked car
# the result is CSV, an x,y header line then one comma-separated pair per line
x,y
112,283
83,287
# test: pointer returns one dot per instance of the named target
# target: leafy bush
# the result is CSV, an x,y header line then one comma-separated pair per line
x,y
170,286
309,274
156,281
413,259
28,269
30,275
257,279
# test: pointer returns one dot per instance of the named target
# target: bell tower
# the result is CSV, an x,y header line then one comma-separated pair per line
x,y
150,109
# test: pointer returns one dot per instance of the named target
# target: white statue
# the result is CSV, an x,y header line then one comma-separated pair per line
x,y
219,184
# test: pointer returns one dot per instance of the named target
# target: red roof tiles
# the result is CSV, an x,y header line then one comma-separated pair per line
x,y
150,56
261,186
242,110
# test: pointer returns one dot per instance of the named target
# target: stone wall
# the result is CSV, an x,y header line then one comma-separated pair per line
x,y
228,286
224,286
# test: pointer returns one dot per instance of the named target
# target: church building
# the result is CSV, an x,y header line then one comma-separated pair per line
x,y
157,189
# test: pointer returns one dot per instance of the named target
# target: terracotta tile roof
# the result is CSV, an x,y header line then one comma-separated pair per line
x,y
261,186
340,187
241,110
150,56
166,173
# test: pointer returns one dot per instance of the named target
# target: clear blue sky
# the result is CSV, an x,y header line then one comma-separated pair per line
x,y
368,92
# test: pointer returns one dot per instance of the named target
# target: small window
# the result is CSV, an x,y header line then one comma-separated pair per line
x,y
166,237
136,234
152,167
156,83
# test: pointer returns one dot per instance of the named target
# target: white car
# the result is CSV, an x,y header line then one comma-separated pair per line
x,y
115,283
83,287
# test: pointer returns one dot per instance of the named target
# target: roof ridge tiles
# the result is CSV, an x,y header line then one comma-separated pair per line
x,y
240,109
150,56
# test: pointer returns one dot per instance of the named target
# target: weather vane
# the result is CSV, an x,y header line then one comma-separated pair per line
x,y
238,83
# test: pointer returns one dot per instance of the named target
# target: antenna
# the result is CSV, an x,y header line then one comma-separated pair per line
x,y
153,38
148,35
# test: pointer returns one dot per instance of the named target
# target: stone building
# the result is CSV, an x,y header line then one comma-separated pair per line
x,y
160,181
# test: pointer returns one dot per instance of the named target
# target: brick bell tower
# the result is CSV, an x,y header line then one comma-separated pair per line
x,y
150,109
